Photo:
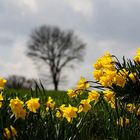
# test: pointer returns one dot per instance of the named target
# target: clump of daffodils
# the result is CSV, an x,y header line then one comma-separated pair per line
x,y
106,73
85,104
113,78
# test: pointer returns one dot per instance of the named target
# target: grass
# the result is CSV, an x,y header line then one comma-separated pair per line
x,y
99,122
60,97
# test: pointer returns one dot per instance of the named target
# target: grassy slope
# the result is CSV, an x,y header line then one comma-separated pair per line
x,y
59,96
98,124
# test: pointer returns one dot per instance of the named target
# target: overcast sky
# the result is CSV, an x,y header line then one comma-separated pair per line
x,y
104,25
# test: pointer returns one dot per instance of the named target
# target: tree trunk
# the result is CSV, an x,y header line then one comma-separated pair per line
x,y
55,83
56,86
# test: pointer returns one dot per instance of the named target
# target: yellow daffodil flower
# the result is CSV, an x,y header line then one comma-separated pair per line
x,y
82,84
50,104
16,106
69,112
84,106
33,104
123,121
131,107
2,83
93,95
71,93
10,133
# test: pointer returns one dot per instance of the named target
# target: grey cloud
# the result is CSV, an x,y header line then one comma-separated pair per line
x,y
109,22
19,21
5,41
116,22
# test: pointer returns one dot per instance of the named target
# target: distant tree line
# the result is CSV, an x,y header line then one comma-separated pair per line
x,y
19,82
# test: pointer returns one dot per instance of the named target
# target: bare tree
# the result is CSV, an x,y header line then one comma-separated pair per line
x,y
56,48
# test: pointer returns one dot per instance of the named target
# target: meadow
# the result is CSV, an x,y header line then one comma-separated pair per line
x,y
107,108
